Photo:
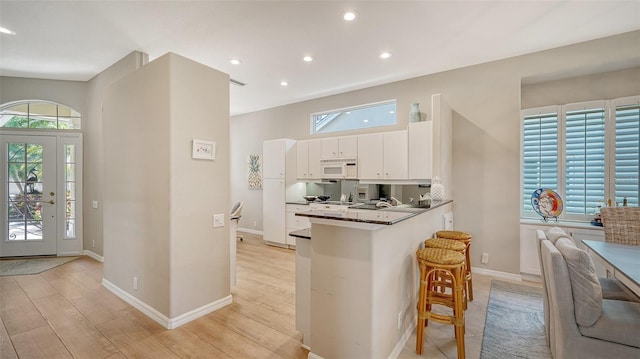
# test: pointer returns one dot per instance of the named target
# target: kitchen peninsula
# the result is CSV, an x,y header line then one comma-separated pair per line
x,y
362,279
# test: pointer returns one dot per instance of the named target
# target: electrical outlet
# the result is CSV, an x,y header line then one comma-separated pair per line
x,y
93,243
255,224
94,204
218,220
485,258
135,283
399,319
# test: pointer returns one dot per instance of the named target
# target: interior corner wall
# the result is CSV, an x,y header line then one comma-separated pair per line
x,y
199,253
93,147
159,202
486,100
136,185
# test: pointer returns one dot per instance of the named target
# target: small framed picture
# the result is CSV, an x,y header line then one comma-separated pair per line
x,y
205,150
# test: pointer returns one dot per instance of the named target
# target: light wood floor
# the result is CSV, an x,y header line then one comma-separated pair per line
x,y
65,312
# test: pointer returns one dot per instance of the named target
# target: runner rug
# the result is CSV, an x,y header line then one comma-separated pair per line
x,y
514,326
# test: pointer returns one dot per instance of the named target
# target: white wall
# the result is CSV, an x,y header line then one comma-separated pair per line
x,y
486,143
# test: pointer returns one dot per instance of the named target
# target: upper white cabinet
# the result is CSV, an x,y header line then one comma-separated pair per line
x,y
340,147
383,156
273,158
308,159
420,150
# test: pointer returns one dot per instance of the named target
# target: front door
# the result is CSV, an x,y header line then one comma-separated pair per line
x,y
28,192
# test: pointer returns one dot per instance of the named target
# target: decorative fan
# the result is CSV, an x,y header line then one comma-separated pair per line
x,y
547,203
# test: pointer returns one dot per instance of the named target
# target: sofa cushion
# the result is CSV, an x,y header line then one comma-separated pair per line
x,y
585,287
555,233
619,323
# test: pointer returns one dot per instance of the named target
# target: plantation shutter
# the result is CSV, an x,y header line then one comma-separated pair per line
x,y
627,154
584,160
540,156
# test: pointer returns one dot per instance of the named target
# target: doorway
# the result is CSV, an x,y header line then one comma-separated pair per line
x,y
41,187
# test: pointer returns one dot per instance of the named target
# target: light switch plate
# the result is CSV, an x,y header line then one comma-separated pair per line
x,y
218,220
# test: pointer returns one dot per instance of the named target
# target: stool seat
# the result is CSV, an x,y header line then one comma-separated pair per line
x,y
457,235
451,244
440,256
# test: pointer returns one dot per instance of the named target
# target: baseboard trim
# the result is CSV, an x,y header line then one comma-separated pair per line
x,y
161,318
199,312
69,254
251,231
314,356
395,353
93,255
495,273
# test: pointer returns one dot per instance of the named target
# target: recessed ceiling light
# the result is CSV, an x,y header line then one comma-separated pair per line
x,y
235,61
392,112
284,83
349,15
385,55
307,58
365,121
4,30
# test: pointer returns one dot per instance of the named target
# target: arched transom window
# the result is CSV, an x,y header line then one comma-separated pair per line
x,y
39,114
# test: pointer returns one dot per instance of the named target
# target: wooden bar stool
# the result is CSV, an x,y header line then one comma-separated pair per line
x,y
450,244
465,238
441,267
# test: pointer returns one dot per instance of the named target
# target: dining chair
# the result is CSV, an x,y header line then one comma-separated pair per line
x,y
621,225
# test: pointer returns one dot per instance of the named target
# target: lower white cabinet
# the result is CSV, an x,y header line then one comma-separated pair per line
x,y
294,222
529,261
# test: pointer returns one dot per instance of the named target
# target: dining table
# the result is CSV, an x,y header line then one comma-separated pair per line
x,y
622,260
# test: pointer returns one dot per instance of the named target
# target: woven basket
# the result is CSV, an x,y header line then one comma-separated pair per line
x,y
621,224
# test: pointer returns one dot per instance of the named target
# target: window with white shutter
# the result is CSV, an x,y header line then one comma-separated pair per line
x,y
627,154
539,155
588,153
584,161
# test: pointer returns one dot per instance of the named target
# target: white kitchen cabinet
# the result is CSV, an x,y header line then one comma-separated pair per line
x,y
529,261
308,156
273,213
420,150
273,158
383,156
278,187
294,222
340,147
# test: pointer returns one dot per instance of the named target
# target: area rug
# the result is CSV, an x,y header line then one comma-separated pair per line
x,y
514,326
23,266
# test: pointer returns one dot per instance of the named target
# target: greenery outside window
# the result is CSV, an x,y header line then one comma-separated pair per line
x,y
39,114
356,117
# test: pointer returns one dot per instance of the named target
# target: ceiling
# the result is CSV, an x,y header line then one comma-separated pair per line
x,y
75,40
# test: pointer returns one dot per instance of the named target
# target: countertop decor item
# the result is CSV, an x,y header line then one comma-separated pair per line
x,y
437,190
414,113
547,203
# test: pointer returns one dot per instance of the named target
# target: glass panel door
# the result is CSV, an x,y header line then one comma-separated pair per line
x,y
28,192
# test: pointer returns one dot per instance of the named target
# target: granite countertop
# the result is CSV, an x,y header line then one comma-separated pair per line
x,y
298,202
302,233
385,216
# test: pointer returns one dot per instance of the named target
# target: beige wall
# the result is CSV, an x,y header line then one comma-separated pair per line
x,y
92,129
199,188
486,135
136,183
158,201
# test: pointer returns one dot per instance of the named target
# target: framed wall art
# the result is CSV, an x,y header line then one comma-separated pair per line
x,y
202,149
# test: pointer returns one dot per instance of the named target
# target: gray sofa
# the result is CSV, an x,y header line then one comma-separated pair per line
x,y
587,325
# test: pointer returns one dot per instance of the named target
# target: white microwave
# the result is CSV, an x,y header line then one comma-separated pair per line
x,y
339,168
